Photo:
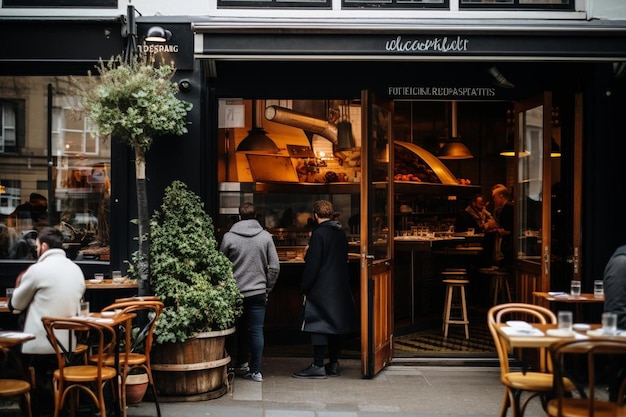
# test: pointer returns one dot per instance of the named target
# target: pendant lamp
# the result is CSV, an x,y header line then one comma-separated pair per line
x,y
454,148
257,139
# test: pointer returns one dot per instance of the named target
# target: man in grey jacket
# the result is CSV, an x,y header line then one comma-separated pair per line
x,y
53,286
253,254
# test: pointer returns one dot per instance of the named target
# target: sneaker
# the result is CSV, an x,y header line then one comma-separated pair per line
x,y
240,368
311,372
332,369
254,376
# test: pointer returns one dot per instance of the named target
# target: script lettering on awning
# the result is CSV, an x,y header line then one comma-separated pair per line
x,y
436,44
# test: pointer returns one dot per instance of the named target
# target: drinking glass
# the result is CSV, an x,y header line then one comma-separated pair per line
x,y
565,320
117,277
9,292
98,276
84,309
609,323
575,289
598,288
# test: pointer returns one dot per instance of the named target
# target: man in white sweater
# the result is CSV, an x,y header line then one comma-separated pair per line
x,y
53,286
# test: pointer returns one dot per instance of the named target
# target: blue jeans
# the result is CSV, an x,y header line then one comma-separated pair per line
x,y
250,338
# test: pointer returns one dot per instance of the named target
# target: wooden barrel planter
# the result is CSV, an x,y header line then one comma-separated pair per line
x,y
195,370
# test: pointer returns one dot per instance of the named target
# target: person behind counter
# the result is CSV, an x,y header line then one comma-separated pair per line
x,y
329,310
53,286
256,266
476,216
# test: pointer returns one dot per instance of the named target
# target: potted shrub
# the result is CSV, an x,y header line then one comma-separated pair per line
x,y
195,282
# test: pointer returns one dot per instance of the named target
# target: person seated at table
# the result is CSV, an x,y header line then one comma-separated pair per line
x,y
53,286
615,302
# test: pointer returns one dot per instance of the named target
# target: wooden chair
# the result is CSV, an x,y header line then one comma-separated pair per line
x,y
537,383
138,340
73,376
12,386
586,404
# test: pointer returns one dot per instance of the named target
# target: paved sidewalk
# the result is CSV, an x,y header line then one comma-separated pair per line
x,y
400,391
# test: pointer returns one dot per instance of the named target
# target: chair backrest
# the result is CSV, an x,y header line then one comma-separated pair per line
x,y
517,311
65,333
142,331
596,354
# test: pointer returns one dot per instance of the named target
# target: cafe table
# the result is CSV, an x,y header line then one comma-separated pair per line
x,y
10,338
541,298
107,284
533,339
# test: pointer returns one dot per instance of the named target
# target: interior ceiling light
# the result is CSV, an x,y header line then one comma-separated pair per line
x,y
158,34
555,149
454,148
257,139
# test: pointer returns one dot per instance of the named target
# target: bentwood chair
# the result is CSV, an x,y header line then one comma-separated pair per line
x,y
138,340
537,383
11,385
73,376
592,402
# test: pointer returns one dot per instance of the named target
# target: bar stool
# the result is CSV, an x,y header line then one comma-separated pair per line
x,y
453,279
500,284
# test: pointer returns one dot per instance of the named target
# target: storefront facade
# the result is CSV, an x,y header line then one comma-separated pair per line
x,y
410,68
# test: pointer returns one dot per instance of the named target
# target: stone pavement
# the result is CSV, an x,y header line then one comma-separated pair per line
x,y
399,391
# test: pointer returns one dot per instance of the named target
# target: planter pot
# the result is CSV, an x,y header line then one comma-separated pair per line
x,y
136,386
195,370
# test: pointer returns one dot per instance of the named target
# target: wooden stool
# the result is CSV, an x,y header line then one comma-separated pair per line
x,y
451,284
500,283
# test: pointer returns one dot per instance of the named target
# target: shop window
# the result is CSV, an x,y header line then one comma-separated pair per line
x,y
262,4
74,194
517,4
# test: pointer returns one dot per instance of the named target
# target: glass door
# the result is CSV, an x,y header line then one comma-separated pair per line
x,y
376,234
533,194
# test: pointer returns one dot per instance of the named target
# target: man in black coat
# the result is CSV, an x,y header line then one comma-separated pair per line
x,y
329,310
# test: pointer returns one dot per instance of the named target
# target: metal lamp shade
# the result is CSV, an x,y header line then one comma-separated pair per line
x,y
454,149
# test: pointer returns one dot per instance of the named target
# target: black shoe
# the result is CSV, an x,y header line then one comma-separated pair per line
x,y
311,372
239,369
332,369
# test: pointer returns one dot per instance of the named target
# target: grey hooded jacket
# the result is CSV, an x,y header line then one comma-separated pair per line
x,y
255,261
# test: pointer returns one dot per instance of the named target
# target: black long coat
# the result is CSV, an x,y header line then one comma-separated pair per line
x,y
329,306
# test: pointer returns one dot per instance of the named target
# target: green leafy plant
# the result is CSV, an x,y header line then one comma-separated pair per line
x,y
190,275
135,102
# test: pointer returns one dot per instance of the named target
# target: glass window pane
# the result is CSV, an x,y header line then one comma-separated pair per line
x,y
80,176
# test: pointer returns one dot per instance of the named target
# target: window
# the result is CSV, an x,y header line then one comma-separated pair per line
x,y
79,180
8,131
73,133
517,4
262,4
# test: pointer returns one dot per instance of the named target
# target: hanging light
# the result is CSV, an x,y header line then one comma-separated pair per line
x,y
345,138
555,149
509,147
454,148
257,139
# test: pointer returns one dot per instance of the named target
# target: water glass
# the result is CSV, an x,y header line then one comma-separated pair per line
x,y
98,276
10,292
598,288
84,309
609,323
575,289
565,320
117,277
